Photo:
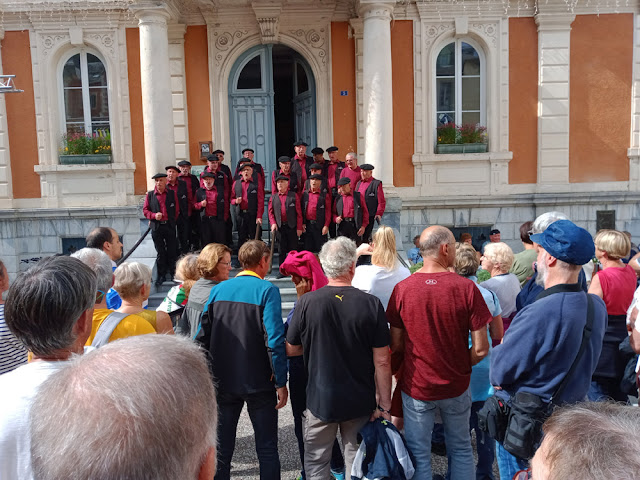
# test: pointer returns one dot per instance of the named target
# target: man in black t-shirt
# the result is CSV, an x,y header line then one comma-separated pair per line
x,y
343,335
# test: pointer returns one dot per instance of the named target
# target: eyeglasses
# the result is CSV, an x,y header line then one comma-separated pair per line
x,y
523,475
226,264
99,296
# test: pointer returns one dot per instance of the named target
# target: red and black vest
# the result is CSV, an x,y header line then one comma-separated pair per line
x,y
357,208
320,206
154,206
290,208
371,195
252,195
201,195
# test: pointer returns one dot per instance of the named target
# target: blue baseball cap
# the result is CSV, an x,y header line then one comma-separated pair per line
x,y
566,241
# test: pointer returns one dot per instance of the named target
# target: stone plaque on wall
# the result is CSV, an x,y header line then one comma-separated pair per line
x,y
605,219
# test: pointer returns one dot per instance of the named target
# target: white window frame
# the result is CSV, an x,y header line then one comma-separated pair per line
x,y
458,80
86,99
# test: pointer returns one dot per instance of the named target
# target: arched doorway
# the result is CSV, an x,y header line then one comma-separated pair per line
x,y
272,103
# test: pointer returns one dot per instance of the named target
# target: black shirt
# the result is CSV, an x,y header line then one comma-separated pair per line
x,y
338,328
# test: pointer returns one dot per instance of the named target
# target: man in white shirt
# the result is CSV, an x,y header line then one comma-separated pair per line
x,y
49,309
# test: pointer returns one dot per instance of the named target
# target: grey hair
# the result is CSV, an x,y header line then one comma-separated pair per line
x,y
430,246
130,277
100,263
543,221
143,407
592,441
337,256
351,154
45,302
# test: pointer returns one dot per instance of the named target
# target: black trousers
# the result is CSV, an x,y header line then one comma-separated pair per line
x,y
287,241
314,240
214,230
194,231
366,237
184,230
164,239
246,223
229,231
347,228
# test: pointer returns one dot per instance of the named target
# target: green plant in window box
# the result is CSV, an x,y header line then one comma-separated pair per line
x,y
468,138
82,149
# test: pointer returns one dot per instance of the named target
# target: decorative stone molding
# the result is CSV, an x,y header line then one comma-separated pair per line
x,y
224,42
269,28
432,32
316,39
381,10
106,40
356,29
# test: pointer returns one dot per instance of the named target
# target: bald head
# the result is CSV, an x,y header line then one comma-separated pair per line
x,y
432,238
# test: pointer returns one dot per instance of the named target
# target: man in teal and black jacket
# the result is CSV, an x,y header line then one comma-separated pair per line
x,y
244,334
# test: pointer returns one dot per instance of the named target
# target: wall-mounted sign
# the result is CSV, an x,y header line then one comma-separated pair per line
x,y
206,148
344,93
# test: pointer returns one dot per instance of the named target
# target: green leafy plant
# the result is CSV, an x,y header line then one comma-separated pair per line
x,y
86,144
468,133
448,134
416,267
472,133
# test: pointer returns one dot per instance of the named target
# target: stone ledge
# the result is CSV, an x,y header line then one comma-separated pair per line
x,y
84,168
26,214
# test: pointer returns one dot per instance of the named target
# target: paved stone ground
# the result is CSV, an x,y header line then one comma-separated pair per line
x,y
245,462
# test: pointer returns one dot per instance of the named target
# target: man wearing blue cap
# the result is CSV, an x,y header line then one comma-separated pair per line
x,y
545,337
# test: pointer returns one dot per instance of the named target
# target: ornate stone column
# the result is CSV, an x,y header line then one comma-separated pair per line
x,y
159,139
377,91
554,34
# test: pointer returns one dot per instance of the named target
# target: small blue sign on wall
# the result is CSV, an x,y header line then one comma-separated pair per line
x,y
344,93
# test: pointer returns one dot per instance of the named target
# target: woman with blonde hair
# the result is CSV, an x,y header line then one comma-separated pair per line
x,y
133,284
176,299
497,260
615,283
385,271
213,266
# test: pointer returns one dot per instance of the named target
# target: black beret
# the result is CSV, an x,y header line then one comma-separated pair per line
x,y
184,163
208,175
344,181
284,159
315,166
366,166
317,150
332,149
172,167
495,231
244,166
213,158
215,152
282,177
315,176
248,150
159,175
300,143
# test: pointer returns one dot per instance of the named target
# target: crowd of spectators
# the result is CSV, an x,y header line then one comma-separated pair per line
x,y
435,355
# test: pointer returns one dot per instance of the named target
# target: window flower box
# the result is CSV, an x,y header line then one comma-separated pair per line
x,y
461,139
91,159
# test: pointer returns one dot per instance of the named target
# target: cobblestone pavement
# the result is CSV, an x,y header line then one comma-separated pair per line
x,y
245,462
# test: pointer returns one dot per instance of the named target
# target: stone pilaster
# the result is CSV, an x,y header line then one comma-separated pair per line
x,y
554,34
6,190
178,90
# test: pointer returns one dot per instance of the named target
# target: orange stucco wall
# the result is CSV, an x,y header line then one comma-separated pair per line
x,y
21,115
343,78
197,83
135,106
600,83
523,104
402,68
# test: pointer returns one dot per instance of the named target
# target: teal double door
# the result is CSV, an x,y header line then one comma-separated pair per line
x,y
261,81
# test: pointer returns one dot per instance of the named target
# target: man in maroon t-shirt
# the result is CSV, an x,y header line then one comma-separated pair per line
x,y
431,314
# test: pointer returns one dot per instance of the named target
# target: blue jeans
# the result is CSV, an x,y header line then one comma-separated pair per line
x,y
507,463
418,426
264,418
605,389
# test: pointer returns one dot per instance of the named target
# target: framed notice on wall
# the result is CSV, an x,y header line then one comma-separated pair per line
x,y
206,148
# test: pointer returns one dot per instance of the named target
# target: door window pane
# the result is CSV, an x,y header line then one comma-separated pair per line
x,y
96,71
71,76
471,93
446,62
446,94
470,60
251,76
301,78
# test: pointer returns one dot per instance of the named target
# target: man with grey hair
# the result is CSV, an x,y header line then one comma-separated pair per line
x,y
343,335
128,325
49,309
431,315
531,289
123,408
352,170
